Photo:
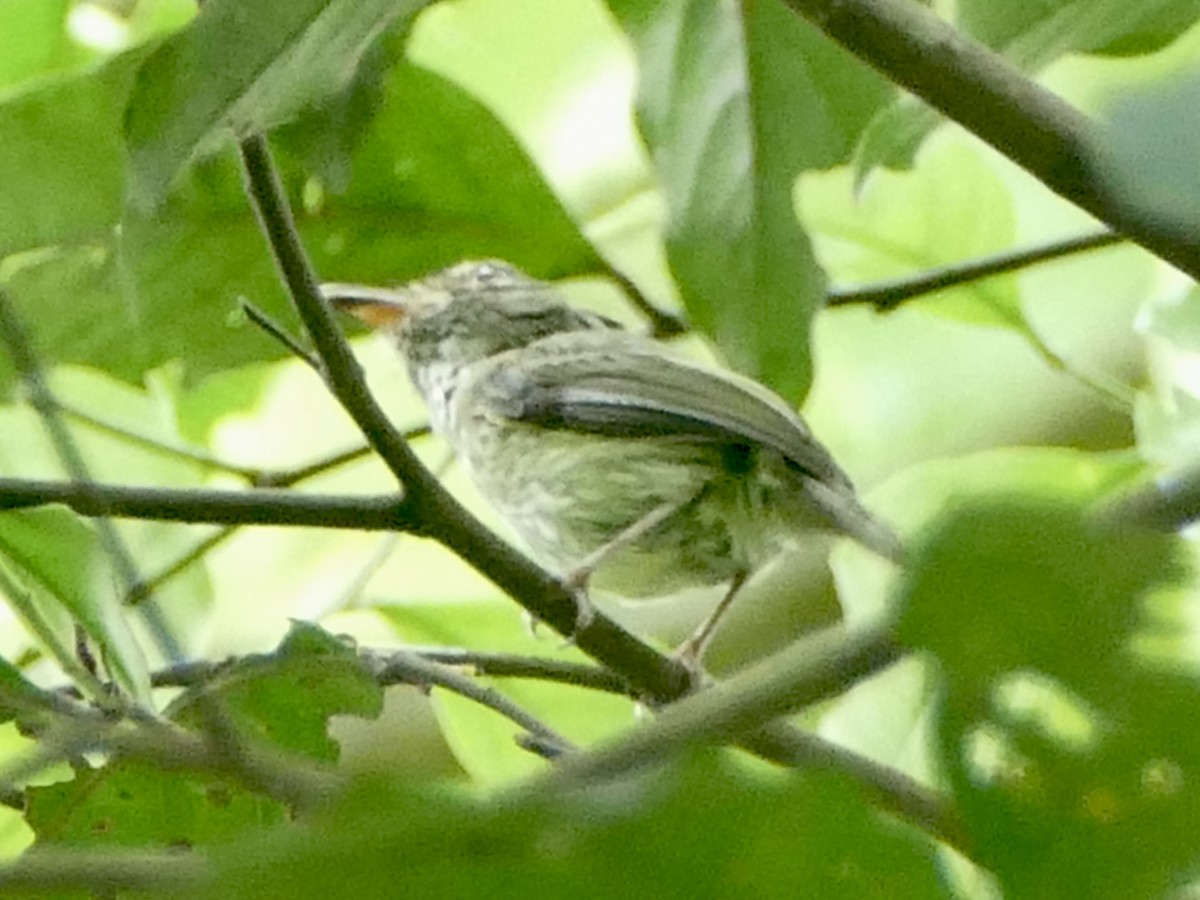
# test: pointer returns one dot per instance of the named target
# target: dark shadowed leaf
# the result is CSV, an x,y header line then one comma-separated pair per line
x,y
242,66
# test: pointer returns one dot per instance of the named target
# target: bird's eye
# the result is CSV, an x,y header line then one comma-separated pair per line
x,y
486,272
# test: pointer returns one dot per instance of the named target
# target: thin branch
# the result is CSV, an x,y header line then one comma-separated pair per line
x,y
199,457
497,665
511,665
662,323
179,565
887,296
989,97
387,668
401,667
257,507
281,335
288,477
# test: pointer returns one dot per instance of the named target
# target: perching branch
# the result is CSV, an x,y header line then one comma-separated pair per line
x,y
432,508
980,90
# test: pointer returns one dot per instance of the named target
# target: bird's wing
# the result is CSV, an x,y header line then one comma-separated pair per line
x,y
637,389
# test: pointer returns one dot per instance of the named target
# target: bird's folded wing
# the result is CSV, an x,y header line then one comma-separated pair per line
x,y
651,394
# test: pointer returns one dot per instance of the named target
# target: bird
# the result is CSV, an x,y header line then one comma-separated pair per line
x,y
619,463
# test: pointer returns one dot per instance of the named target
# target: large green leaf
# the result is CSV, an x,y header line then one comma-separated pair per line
x,y
136,804
435,178
244,66
33,39
1066,746
734,102
62,163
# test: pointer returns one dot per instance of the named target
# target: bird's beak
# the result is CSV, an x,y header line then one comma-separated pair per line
x,y
377,306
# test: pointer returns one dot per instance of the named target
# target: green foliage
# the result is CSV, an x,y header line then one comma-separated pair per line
x,y
1088,785
745,837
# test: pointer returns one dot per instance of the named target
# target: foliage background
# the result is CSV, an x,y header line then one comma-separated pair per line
x,y
729,161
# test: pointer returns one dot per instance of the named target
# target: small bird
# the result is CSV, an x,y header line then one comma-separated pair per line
x,y
619,463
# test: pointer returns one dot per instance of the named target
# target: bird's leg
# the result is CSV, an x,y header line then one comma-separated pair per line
x,y
576,579
691,651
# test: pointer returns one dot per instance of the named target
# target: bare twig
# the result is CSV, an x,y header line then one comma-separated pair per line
x,y
399,666
662,323
200,458
887,296
104,871
258,507
498,665
280,334
511,665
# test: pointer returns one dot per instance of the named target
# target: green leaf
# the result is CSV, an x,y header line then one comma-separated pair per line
x,y
33,39
1051,591
17,695
1066,746
134,804
61,555
889,718
952,208
714,78
1151,156
244,65
287,698
435,179
62,160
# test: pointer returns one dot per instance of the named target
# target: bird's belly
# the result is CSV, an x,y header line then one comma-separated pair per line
x,y
568,495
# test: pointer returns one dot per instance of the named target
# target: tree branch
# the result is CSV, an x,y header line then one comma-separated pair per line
x,y
887,296
734,711
980,90
265,506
